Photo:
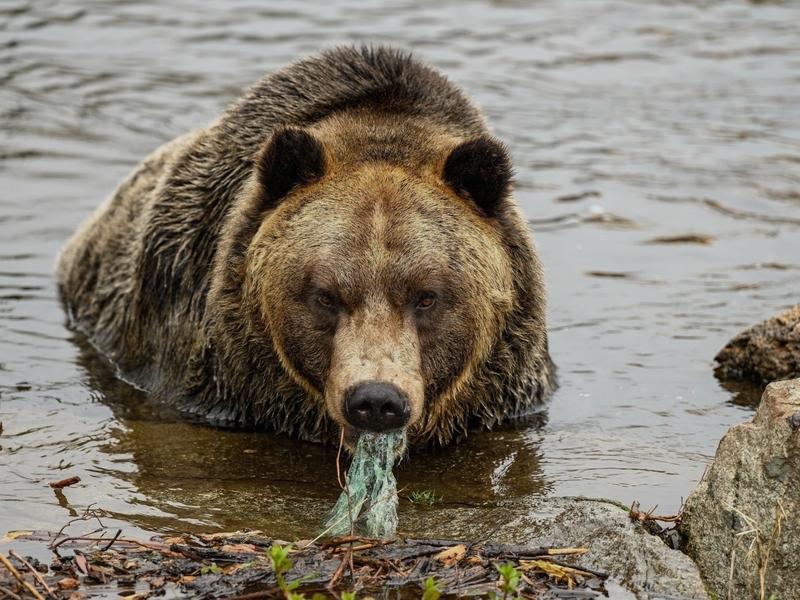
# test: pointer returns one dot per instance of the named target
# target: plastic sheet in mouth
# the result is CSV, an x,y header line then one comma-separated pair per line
x,y
368,503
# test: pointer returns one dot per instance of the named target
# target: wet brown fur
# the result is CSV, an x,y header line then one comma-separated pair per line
x,y
194,281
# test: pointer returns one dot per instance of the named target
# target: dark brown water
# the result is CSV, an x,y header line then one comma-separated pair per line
x,y
629,121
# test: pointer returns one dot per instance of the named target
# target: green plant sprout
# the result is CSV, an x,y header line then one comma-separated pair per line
x,y
211,569
431,590
510,578
424,497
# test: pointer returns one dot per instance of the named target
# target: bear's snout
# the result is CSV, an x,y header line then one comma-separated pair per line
x,y
376,406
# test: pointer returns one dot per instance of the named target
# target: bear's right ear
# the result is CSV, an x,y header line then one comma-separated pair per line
x,y
291,157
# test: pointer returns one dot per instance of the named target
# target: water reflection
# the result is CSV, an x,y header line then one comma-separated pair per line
x,y
743,393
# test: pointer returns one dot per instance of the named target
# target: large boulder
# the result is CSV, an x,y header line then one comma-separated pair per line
x,y
768,351
741,523
637,560
640,564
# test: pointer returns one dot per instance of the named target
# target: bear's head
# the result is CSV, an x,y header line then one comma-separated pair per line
x,y
380,268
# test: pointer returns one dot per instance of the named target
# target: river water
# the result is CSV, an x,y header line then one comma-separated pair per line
x,y
629,122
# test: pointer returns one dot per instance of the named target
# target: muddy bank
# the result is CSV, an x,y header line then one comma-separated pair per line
x,y
559,548
252,565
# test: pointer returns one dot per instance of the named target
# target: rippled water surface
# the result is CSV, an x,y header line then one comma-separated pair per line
x,y
630,122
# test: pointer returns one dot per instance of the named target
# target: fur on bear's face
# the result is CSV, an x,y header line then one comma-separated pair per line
x,y
374,271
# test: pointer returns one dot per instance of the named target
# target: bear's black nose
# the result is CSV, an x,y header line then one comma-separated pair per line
x,y
376,406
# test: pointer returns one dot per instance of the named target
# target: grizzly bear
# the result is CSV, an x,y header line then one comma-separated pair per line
x,y
338,252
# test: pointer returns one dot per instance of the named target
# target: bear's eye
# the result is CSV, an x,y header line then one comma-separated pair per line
x,y
426,300
325,299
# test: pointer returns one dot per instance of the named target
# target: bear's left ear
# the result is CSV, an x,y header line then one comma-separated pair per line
x,y
480,170
291,157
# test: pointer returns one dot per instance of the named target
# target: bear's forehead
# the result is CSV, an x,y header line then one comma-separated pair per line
x,y
386,205
409,221
355,278
382,249
381,227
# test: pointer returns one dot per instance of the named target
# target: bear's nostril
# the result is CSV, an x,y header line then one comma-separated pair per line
x,y
376,406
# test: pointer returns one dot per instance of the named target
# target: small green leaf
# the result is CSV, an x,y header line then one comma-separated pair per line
x,y
431,590
211,569
510,579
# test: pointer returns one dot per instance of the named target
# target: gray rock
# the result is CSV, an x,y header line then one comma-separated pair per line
x,y
741,522
638,561
641,562
769,351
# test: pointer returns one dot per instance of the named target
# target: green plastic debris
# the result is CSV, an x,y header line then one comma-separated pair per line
x,y
368,503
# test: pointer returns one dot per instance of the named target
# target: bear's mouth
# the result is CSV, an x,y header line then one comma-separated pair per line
x,y
350,435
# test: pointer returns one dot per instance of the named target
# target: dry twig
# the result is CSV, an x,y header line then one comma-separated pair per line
x,y
34,572
638,515
25,583
8,592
